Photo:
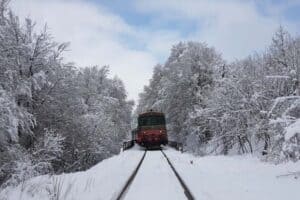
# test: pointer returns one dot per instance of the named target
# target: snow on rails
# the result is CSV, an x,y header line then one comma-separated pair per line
x,y
143,180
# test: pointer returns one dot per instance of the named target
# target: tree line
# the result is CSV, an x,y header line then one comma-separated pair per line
x,y
212,106
54,116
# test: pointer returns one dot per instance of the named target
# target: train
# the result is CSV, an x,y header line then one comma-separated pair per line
x,y
151,131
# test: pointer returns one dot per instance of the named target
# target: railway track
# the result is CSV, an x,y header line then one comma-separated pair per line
x,y
130,180
186,190
132,176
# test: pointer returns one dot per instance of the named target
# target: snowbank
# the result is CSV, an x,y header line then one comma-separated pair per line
x,y
103,181
237,177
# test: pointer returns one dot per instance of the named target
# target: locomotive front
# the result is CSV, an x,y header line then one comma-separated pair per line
x,y
151,130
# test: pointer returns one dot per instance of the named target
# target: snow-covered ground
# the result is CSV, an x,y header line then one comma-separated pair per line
x,y
236,177
209,178
155,180
103,181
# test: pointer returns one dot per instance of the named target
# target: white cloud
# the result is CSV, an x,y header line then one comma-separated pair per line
x,y
234,27
99,37
159,42
95,35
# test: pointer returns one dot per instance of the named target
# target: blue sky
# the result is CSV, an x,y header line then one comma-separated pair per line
x,y
287,10
134,35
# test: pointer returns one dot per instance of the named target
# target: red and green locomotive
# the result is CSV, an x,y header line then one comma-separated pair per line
x,y
151,130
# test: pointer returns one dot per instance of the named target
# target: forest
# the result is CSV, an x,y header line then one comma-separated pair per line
x,y
54,116
58,117
250,105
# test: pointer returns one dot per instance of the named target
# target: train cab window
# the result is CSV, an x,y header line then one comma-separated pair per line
x,y
151,120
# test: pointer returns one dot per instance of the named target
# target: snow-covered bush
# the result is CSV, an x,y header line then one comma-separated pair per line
x,y
291,144
47,152
19,166
283,129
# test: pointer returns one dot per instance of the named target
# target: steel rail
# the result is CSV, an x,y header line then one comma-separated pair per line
x,y
130,179
187,192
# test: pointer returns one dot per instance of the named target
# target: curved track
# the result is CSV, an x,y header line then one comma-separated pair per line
x,y
131,190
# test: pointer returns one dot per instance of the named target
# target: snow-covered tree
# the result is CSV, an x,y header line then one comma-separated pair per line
x,y
230,108
181,86
54,117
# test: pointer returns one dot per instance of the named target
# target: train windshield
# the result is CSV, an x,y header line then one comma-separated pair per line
x,y
151,120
